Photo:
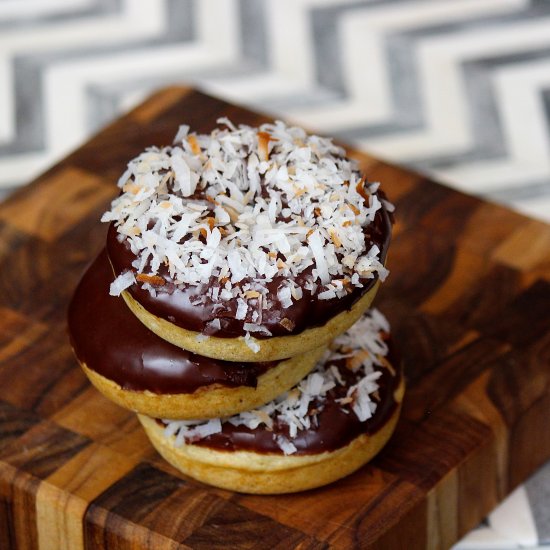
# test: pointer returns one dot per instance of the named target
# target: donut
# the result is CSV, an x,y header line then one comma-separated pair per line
x,y
140,371
247,244
329,425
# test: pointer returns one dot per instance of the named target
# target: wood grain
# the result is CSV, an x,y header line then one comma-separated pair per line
x,y
468,300
62,500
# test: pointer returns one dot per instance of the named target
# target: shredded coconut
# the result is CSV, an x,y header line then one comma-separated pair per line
x,y
253,345
242,308
284,294
248,204
363,345
122,282
189,431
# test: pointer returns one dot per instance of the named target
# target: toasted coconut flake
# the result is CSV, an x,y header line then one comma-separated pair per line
x,y
360,188
334,237
345,400
151,279
287,324
263,145
264,418
195,147
354,209
297,292
131,188
357,359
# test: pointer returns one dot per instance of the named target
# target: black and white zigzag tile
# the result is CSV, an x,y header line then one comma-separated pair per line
x,y
457,88
521,521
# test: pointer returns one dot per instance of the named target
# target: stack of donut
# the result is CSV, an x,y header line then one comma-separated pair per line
x,y
230,308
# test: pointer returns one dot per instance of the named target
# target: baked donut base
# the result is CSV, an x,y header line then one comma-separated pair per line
x,y
211,401
268,473
236,349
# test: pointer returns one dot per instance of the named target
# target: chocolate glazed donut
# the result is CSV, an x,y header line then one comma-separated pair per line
x,y
112,342
140,371
248,244
292,445
335,428
190,307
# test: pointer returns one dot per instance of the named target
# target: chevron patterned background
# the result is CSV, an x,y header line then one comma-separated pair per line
x,y
456,88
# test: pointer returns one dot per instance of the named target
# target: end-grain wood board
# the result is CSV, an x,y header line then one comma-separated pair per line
x,y
468,298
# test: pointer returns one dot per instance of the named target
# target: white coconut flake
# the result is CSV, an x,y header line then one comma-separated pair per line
x,y
204,430
361,397
226,294
121,283
297,292
284,294
313,385
242,308
215,324
252,344
327,295
221,215
182,173
253,327
190,431
285,445
297,408
181,134
316,244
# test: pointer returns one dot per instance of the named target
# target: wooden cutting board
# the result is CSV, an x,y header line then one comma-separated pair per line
x,y
469,301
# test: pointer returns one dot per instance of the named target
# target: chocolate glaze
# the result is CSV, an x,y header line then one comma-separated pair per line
x,y
110,340
189,307
335,428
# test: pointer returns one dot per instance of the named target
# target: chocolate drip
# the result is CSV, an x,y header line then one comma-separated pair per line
x,y
110,340
190,307
334,430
